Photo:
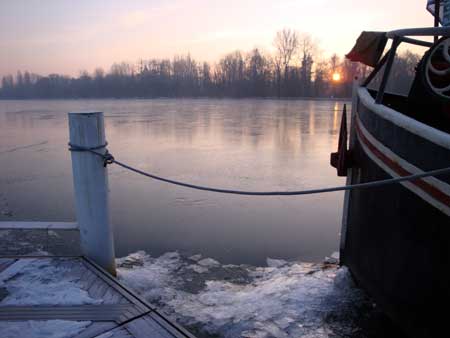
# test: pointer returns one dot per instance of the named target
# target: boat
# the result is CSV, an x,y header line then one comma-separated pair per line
x,y
395,239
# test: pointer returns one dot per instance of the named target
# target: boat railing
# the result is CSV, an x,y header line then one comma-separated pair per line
x,y
402,36
423,31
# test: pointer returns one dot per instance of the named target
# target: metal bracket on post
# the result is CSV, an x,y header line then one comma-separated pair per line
x,y
90,180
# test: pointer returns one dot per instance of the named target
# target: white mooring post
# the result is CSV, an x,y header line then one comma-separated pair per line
x,y
90,180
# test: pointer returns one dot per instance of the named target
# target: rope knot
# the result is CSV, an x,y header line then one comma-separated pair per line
x,y
107,158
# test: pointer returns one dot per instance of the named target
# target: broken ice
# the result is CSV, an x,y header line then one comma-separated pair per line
x,y
285,299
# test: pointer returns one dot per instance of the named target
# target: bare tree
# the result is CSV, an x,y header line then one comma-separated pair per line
x,y
257,72
321,79
286,43
334,63
99,73
307,51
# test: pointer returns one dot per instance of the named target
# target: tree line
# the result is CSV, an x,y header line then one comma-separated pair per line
x,y
295,69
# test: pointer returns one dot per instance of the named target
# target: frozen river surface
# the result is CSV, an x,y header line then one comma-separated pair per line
x,y
240,144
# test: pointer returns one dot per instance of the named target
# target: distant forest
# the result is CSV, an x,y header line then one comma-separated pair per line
x,y
293,70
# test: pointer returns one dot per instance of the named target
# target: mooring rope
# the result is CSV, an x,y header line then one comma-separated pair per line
x,y
109,159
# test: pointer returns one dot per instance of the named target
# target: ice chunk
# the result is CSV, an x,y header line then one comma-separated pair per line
x,y
254,334
171,255
135,259
198,268
286,299
334,259
284,322
275,263
52,233
196,257
208,262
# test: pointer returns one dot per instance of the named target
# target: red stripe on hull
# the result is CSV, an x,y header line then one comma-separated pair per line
x,y
396,167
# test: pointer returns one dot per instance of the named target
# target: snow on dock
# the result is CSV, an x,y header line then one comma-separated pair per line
x,y
73,297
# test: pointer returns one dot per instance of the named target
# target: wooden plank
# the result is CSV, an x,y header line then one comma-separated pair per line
x,y
116,285
84,307
13,225
130,313
118,332
113,297
97,289
170,325
120,305
102,290
162,320
39,257
77,312
85,279
143,328
96,329
91,279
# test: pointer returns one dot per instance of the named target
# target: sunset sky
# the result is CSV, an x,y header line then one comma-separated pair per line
x,y
64,36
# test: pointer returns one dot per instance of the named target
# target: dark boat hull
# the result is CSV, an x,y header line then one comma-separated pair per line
x,y
396,238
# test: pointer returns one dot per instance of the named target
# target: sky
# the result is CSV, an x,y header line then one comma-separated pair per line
x,y
68,36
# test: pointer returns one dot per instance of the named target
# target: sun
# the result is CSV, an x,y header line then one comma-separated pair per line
x,y
336,77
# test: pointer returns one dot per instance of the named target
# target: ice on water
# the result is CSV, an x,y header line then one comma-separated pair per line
x,y
284,299
275,263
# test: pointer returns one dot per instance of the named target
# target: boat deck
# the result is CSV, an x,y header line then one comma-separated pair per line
x,y
74,291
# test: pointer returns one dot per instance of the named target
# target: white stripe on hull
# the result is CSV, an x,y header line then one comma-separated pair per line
x,y
434,182
413,126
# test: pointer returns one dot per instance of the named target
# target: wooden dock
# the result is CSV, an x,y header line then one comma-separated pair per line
x,y
116,312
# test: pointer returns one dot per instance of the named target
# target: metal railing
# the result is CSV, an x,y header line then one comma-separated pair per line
x,y
402,36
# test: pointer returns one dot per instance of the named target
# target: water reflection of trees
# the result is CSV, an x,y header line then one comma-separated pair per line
x,y
284,131
287,126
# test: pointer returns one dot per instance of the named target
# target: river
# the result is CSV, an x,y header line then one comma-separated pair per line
x,y
239,144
